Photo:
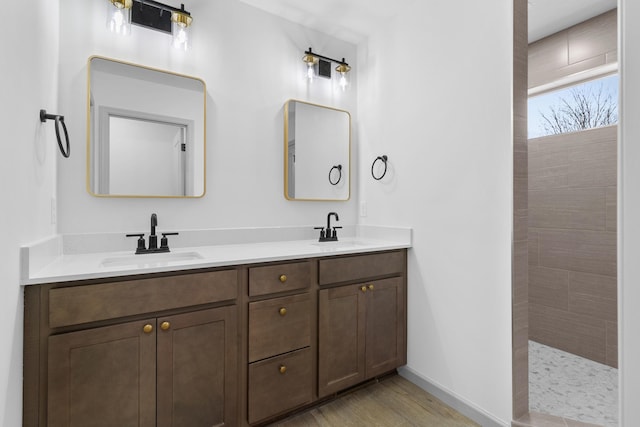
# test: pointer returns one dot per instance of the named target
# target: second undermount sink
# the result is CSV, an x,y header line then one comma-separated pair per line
x,y
150,260
340,244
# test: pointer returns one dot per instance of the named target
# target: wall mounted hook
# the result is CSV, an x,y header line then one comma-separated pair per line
x,y
59,120
383,159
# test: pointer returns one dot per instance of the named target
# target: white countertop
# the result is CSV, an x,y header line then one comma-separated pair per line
x,y
63,266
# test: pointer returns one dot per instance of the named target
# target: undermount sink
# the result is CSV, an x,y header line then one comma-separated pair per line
x,y
150,260
334,246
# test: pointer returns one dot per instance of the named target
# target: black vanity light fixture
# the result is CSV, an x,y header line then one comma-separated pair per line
x,y
320,65
150,14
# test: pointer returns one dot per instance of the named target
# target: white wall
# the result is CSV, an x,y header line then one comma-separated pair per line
x,y
252,63
27,173
443,119
435,96
629,213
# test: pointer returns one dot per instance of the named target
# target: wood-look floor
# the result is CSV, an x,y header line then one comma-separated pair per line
x,y
391,402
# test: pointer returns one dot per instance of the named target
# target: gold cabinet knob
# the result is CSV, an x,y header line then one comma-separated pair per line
x,y
148,328
363,289
282,369
282,311
165,326
370,287
283,278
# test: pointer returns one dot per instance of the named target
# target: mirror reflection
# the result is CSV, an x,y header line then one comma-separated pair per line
x,y
146,131
317,144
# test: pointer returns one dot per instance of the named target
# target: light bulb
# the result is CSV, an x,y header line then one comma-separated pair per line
x,y
180,37
343,81
343,70
310,71
180,28
118,20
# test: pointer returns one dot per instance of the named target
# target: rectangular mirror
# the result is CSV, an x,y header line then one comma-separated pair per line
x,y
317,147
146,131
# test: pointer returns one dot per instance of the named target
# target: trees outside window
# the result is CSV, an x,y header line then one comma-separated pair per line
x,y
584,106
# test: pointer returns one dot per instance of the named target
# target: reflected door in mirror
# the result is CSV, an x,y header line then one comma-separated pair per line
x,y
146,133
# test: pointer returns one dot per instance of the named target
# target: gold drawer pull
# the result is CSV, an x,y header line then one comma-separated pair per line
x,y
148,328
363,289
282,369
282,311
283,278
165,326
370,287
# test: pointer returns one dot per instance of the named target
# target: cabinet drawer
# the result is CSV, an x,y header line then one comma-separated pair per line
x,y
279,325
345,269
278,278
279,384
82,304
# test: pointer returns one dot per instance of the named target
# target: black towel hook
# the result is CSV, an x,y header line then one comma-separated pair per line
x,y
339,168
384,159
58,119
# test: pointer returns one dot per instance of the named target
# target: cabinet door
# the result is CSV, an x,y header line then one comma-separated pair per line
x,y
103,377
341,338
197,368
385,326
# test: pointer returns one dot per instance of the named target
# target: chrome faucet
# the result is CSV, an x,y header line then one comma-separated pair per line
x,y
153,239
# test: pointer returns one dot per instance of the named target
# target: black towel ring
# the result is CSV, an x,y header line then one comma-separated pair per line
x,y
58,119
384,159
339,168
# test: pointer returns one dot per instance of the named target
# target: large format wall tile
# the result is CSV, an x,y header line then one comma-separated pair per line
x,y
593,38
575,208
593,295
594,164
533,248
549,287
548,164
575,333
578,250
579,48
611,209
572,242
612,343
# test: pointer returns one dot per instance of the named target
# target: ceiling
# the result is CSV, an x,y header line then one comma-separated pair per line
x,y
355,20
359,18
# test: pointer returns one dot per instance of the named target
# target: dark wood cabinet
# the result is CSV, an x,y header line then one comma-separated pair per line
x,y
386,326
341,338
152,351
168,371
103,377
280,366
361,333
197,369
232,346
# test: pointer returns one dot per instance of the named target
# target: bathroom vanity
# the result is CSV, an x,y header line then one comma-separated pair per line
x,y
236,344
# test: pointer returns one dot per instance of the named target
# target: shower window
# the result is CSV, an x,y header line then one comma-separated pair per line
x,y
587,105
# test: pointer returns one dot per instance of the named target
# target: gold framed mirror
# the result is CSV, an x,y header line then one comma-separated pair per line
x,y
317,152
146,131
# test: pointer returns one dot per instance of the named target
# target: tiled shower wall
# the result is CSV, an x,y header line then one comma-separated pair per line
x,y
572,243
584,46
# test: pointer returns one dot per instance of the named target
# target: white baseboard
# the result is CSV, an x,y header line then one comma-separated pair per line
x,y
474,413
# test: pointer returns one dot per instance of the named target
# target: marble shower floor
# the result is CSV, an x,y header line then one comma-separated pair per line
x,y
570,386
